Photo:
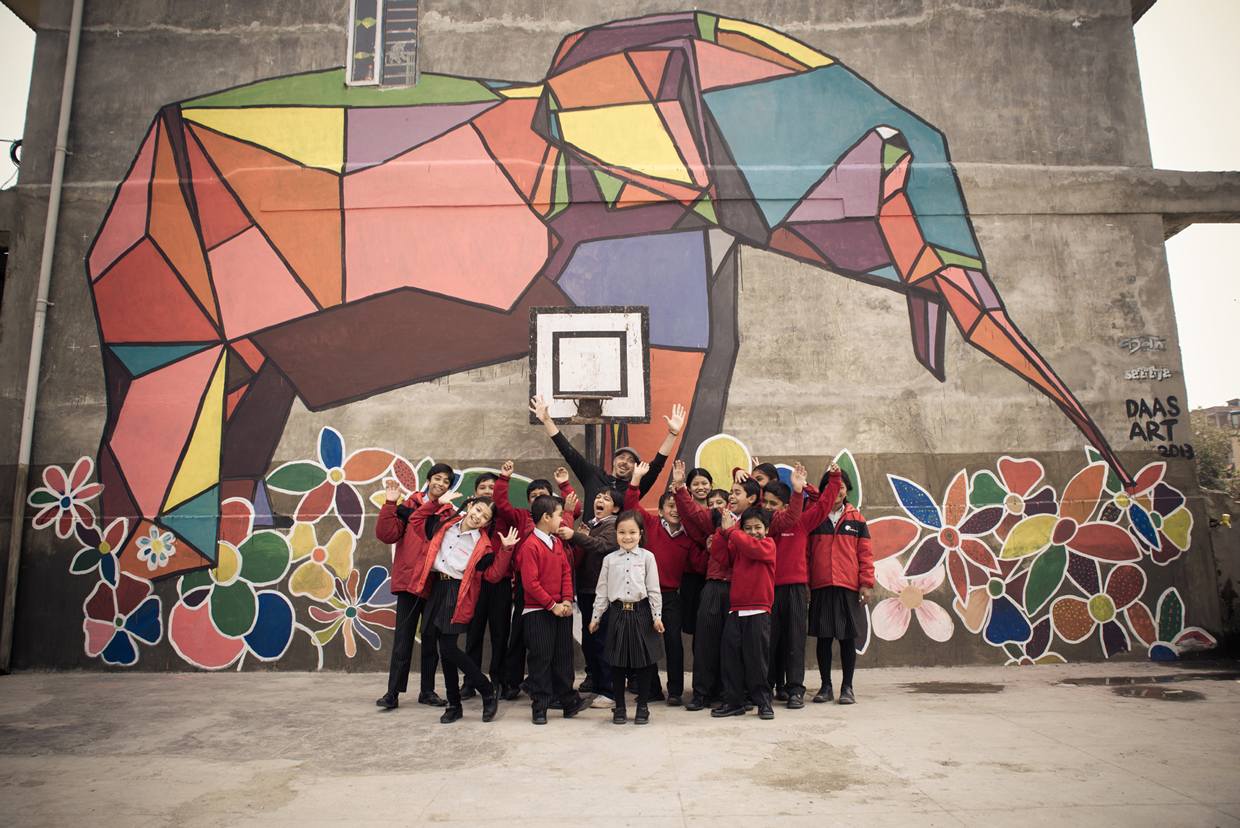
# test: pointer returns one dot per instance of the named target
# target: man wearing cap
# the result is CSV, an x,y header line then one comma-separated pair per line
x,y
624,459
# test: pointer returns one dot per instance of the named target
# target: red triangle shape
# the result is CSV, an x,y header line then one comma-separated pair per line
x,y
650,66
219,214
141,300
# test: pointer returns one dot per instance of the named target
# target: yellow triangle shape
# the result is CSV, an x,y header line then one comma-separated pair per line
x,y
313,136
778,42
630,136
200,468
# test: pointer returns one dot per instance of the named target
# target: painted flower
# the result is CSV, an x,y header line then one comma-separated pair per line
x,y
1014,490
1075,618
120,613
323,565
1165,634
994,608
351,612
407,476
1037,649
1069,525
955,526
62,499
891,617
99,548
328,484
1158,516
156,548
221,615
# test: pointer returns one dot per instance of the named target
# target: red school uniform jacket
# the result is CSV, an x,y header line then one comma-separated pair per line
x,y
753,570
841,555
546,572
507,516
471,583
792,542
674,555
393,527
701,523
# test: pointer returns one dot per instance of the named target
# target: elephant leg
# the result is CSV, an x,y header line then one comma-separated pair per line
x,y
257,414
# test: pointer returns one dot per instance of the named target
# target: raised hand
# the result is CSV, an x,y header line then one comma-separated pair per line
x,y
561,476
639,471
799,477
725,519
392,487
538,407
510,540
835,467
677,419
570,504
678,474
506,469
447,497
741,475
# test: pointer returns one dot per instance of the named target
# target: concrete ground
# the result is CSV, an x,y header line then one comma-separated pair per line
x,y
977,746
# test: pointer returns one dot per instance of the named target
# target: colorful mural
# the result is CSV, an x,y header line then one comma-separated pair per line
x,y
1001,555
270,240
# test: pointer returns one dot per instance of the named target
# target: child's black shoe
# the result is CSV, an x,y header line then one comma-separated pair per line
x,y
826,694
695,703
643,715
728,710
846,695
451,713
619,716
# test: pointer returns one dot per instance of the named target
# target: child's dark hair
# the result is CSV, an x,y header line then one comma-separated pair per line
x,y
442,468
664,498
752,489
545,505
768,469
634,515
484,478
698,473
541,483
756,513
780,490
844,478
716,493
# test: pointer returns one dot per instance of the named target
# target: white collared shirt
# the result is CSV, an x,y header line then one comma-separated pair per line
x,y
455,549
668,527
835,516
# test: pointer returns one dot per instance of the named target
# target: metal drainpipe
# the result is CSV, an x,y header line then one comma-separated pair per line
x,y
36,340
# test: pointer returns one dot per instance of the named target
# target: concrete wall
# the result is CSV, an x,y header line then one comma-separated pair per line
x,y
1040,103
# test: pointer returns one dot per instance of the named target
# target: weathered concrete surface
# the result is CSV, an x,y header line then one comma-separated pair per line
x,y
935,747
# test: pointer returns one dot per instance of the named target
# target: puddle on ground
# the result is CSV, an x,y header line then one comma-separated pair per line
x,y
1114,681
1164,693
953,688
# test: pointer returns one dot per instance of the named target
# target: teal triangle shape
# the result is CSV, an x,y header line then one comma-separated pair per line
x,y
197,522
142,358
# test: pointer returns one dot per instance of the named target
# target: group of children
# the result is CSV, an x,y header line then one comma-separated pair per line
x,y
749,573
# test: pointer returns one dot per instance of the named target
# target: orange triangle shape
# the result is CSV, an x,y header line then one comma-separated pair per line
x,y
505,129
298,208
650,66
173,229
926,266
219,215
789,242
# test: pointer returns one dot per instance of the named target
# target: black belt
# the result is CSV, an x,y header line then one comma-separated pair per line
x,y
444,576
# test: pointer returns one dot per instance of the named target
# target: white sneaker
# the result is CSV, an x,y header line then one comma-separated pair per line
x,y
603,701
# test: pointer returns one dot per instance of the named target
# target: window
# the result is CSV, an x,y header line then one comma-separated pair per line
x,y
383,43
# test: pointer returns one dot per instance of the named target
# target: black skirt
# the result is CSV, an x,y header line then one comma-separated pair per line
x,y
836,612
442,605
631,637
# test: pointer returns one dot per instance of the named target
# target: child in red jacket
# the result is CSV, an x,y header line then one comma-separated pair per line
x,y
841,575
745,652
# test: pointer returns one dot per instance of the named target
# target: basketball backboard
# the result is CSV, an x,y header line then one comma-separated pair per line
x,y
582,356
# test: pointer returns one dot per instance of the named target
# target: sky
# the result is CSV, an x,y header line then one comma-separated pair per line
x,y
1188,60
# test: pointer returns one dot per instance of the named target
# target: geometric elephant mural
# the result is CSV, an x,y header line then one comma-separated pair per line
x,y
275,241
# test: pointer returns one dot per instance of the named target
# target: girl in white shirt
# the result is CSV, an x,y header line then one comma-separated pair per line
x,y
629,583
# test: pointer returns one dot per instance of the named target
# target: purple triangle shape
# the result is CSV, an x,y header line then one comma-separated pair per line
x,y
377,134
850,190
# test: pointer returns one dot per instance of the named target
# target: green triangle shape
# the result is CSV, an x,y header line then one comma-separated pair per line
x,y
560,197
704,208
328,89
950,257
142,358
706,26
197,522
609,184
892,154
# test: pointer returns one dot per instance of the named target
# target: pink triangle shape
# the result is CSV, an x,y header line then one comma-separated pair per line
x,y
255,287
155,423
126,222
